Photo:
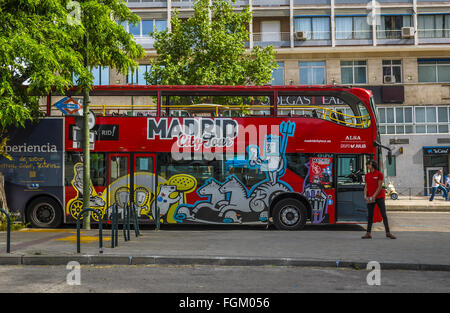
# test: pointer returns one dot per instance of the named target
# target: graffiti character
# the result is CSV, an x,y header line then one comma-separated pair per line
x,y
142,198
164,200
77,183
271,162
217,198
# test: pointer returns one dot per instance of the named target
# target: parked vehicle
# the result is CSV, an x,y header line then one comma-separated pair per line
x,y
391,191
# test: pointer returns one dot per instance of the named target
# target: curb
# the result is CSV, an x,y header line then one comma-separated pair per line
x,y
212,260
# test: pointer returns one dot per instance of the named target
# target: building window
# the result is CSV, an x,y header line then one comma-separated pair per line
x,y
418,120
434,71
270,31
312,73
101,76
138,77
278,74
390,26
354,72
352,27
145,27
392,68
318,28
434,25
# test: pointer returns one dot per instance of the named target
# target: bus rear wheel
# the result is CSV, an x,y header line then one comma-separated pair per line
x,y
289,214
44,212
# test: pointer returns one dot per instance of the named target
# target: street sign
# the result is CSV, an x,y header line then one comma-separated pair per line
x,y
69,106
77,135
91,137
91,120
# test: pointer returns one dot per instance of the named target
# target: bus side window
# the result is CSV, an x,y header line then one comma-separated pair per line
x,y
351,169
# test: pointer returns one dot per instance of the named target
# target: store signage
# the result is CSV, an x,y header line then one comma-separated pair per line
x,y
436,150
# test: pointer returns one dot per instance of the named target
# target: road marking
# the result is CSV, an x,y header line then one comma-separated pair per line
x,y
83,239
44,230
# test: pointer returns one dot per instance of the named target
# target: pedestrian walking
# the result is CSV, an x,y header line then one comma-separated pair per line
x,y
375,195
437,177
447,184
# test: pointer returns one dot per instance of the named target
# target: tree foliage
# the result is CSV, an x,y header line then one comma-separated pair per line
x,y
204,51
40,48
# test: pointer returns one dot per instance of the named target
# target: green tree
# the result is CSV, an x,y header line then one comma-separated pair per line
x,y
105,43
210,51
35,56
43,43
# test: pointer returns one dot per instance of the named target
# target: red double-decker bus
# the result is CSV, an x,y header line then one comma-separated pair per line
x,y
207,155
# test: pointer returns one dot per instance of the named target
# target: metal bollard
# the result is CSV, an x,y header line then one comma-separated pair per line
x,y
8,231
114,225
124,222
100,222
135,219
116,216
128,221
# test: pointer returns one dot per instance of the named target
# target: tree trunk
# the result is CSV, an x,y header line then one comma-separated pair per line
x,y
86,155
3,203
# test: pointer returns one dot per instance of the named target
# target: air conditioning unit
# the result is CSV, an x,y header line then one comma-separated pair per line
x,y
389,79
408,32
301,35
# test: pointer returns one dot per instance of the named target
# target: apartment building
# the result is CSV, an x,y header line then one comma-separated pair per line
x,y
399,49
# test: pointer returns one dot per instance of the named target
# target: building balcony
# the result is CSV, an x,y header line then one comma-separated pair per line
x,y
276,39
146,42
146,4
316,38
392,37
270,3
433,36
190,3
355,37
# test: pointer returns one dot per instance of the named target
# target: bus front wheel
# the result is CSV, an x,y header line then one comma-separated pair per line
x,y
44,212
289,214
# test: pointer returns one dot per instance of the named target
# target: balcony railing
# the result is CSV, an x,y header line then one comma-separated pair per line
x,y
147,3
146,42
270,3
389,34
434,33
190,3
354,35
316,35
277,39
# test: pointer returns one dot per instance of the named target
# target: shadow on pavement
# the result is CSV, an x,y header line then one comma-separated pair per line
x,y
178,227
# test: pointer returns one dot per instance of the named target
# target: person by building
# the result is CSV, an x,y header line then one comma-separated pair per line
x,y
437,177
447,183
375,195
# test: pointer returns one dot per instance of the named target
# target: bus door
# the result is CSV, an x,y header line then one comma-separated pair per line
x,y
350,204
144,191
119,181
320,190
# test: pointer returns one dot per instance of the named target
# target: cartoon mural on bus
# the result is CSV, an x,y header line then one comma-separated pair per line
x,y
75,205
228,201
231,200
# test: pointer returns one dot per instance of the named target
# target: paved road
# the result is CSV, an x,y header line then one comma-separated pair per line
x,y
206,279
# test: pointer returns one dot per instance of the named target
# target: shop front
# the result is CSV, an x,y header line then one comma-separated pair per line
x,y
434,159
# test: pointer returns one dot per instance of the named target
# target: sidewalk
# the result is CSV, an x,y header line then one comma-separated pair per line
x,y
418,247
418,204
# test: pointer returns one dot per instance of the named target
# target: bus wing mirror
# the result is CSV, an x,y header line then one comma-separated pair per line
x,y
390,157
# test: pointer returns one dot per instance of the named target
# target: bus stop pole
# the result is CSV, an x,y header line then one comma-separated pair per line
x,y
156,193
